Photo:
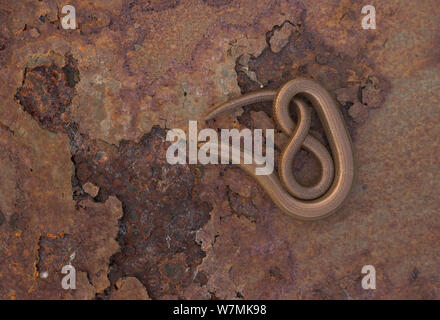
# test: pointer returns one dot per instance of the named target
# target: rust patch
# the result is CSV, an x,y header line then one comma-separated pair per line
x,y
81,248
350,81
161,213
144,61
47,92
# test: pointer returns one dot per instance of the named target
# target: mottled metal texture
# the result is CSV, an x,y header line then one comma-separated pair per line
x,y
83,174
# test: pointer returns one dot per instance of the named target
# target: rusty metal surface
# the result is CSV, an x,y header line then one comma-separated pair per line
x,y
83,174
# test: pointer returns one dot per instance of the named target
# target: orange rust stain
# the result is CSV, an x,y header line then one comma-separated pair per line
x,y
55,236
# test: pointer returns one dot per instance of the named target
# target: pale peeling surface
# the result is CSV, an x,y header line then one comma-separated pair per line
x,y
84,180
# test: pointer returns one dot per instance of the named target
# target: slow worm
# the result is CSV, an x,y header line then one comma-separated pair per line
x,y
337,176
